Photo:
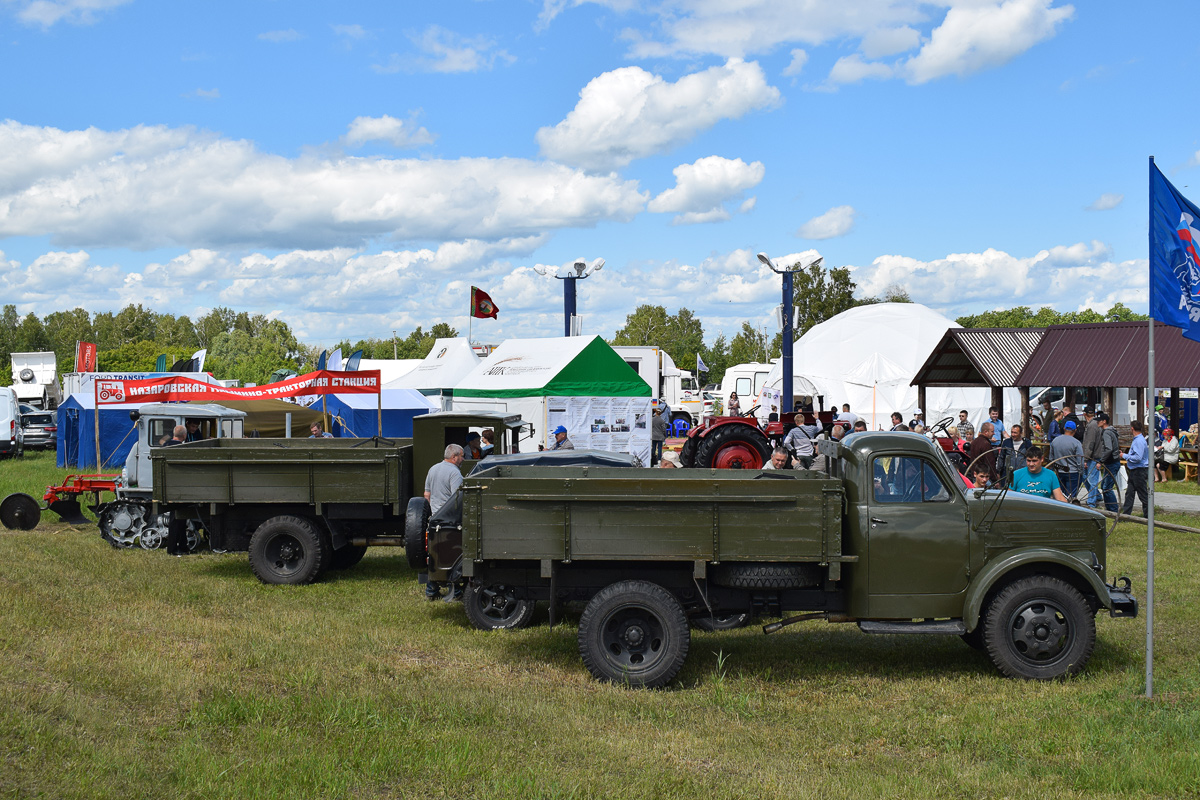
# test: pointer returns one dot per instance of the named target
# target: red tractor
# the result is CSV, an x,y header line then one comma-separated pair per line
x,y
739,442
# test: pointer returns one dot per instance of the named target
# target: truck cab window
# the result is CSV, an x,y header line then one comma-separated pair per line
x,y
161,431
905,479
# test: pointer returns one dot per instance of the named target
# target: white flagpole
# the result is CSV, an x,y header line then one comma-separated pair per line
x,y
470,315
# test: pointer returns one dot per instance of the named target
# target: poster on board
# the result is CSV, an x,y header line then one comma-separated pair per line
x,y
614,424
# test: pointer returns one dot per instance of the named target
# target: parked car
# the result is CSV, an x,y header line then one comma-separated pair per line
x,y
40,430
11,439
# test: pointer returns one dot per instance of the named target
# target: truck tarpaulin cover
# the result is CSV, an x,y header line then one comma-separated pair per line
x,y
161,390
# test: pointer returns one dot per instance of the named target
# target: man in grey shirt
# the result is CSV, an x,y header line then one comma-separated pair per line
x,y
799,442
1070,468
444,478
441,483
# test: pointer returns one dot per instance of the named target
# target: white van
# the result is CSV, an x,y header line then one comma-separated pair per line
x,y
12,442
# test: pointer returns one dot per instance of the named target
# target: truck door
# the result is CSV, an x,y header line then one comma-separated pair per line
x,y
918,538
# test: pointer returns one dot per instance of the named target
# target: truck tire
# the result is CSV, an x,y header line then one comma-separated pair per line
x,y
1039,628
416,522
347,557
494,607
767,576
687,453
734,446
720,622
288,550
635,633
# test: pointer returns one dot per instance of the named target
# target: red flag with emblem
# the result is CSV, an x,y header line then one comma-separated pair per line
x,y
482,305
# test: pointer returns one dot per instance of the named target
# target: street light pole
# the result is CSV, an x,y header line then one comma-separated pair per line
x,y
788,399
581,270
395,352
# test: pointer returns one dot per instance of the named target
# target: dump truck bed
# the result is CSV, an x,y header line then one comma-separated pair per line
x,y
590,513
312,472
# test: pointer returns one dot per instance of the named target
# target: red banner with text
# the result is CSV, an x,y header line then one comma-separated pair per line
x,y
85,357
168,390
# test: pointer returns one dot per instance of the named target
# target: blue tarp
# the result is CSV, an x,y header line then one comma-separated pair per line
x,y
77,433
357,415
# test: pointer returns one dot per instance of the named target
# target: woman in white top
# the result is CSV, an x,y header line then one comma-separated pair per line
x,y
1166,457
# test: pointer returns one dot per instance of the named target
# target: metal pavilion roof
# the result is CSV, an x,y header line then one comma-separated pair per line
x,y
979,357
1112,355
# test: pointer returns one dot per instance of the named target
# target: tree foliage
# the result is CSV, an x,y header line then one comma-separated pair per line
x,y
1024,317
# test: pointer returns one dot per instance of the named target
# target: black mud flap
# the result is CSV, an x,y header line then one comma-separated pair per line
x,y
1120,595
20,512
69,511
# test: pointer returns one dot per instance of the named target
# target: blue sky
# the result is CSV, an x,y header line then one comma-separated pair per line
x,y
353,168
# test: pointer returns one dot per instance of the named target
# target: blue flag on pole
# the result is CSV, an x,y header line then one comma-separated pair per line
x,y
1174,257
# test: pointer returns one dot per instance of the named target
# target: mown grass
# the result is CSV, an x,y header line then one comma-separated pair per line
x,y
132,673
1178,487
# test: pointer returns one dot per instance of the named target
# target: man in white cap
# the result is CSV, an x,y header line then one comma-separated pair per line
x,y
918,419
561,442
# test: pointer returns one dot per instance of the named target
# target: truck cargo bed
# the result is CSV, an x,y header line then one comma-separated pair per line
x,y
589,513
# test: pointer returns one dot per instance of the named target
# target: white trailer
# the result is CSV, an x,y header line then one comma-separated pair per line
x,y
35,379
676,386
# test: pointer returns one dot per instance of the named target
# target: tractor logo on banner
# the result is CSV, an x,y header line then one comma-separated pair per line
x,y
110,391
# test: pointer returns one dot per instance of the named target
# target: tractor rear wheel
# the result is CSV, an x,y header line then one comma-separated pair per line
x,y
733,446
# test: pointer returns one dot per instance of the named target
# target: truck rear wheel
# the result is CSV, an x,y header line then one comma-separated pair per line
x,y
287,550
734,445
634,632
494,607
1040,628
416,522
767,576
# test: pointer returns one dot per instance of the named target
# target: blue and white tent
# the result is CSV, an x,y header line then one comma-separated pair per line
x,y
77,433
357,415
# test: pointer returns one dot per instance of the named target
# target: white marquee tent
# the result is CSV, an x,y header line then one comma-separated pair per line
x,y
867,357
438,373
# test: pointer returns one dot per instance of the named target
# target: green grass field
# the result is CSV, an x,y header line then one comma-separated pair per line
x,y
135,674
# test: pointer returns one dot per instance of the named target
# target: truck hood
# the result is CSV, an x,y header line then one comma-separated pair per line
x,y
1026,507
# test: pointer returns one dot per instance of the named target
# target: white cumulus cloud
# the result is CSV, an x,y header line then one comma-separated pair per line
x,y
837,221
1106,201
442,50
978,35
152,187
702,188
49,12
852,69
386,129
630,113
796,65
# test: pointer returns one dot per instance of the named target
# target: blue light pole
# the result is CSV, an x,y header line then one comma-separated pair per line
x,y
788,398
581,270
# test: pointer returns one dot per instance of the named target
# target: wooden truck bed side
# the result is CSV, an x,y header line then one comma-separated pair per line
x,y
589,513
291,471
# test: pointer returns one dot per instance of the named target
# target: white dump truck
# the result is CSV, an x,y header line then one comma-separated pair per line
x,y
35,379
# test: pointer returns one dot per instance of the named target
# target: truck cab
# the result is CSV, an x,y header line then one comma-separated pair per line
x,y
155,427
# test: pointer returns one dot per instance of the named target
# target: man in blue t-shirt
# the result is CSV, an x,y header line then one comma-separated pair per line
x,y
1035,480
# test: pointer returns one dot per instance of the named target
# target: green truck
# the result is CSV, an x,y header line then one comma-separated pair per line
x,y
304,506
888,537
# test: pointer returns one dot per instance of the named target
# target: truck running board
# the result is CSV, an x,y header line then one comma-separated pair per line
x,y
950,627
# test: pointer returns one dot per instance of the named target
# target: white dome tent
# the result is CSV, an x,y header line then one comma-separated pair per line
x,y
867,357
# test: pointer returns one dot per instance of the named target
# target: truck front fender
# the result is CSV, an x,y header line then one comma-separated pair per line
x,y
997,569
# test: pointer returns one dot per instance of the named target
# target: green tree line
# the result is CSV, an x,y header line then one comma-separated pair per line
x,y
240,346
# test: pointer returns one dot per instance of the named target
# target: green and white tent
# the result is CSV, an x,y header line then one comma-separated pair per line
x,y
578,382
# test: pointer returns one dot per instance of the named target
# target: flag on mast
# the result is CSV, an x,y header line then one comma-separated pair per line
x,y
482,305
1174,257
700,366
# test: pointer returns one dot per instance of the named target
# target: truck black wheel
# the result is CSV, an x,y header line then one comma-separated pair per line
x,y
687,453
416,522
634,632
493,607
767,576
347,557
734,445
1040,628
720,622
287,550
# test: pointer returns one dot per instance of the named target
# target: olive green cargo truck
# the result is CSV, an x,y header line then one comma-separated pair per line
x,y
888,538
304,506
